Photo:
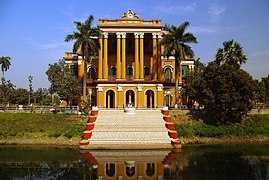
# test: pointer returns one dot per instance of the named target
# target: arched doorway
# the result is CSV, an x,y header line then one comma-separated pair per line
x,y
110,99
150,99
168,97
130,98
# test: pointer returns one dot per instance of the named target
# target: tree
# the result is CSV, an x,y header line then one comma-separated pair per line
x,y
193,81
5,63
30,79
265,80
20,97
175,43
87,39
226,92
66,85
231,53
6,92
260,92
41,95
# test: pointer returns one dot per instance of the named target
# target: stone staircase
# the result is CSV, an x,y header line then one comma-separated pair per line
x,y
114,129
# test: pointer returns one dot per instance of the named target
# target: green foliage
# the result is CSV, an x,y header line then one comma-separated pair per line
x,y
74,131
194,79
260,92
20,96
85,107
6,92
225,92
89,46
42,97
175,42
258,125
65,84
265,80
231,53
46,101
5,63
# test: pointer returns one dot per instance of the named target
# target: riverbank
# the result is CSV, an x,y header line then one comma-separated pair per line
x,y
66,130
43,129
252,130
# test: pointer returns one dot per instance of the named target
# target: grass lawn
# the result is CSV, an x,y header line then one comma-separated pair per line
x,y
63,129
30,128
253,129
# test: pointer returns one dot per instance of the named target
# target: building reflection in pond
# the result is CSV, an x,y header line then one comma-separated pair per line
x,y
138,164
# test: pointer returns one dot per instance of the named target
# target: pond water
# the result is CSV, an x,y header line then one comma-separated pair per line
x,y
191,162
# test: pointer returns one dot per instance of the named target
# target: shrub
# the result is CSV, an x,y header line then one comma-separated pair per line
x,y
75,130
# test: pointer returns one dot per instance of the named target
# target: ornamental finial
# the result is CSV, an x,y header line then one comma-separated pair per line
x,y
130,15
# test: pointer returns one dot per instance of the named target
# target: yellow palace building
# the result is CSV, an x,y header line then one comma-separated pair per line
x,y
130,68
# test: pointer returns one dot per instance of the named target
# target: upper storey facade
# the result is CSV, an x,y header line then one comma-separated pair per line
x,y
130,51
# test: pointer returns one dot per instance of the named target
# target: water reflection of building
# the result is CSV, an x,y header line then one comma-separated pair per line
x,y
139,164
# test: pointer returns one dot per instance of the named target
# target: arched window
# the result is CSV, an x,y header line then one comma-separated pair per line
x,y
146,72
91,73
130,71
184,70
113,71
74,69
167,75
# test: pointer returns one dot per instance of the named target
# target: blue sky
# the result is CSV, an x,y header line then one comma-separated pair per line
x,y
32,32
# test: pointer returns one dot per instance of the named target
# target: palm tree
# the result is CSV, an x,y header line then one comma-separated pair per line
x,y
5,63
231,53
174,41
87,39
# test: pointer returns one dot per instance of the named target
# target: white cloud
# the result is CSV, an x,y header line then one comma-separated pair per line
x,y
176,9
215,11
201,29
46,45
68,14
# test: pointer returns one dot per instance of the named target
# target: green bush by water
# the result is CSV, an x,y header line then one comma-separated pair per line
x,y
257,125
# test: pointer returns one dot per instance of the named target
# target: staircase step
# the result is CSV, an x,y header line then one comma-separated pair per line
x,y
145,128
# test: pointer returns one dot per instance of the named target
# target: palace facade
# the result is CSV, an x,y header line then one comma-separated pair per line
x,y
130,67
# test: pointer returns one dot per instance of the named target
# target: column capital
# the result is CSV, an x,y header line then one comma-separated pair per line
x,y
123,35
159,35
105,34
118,35
136,35
154,35
141,35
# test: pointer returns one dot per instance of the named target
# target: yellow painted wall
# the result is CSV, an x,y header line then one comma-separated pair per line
x,y
140,170
120,96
